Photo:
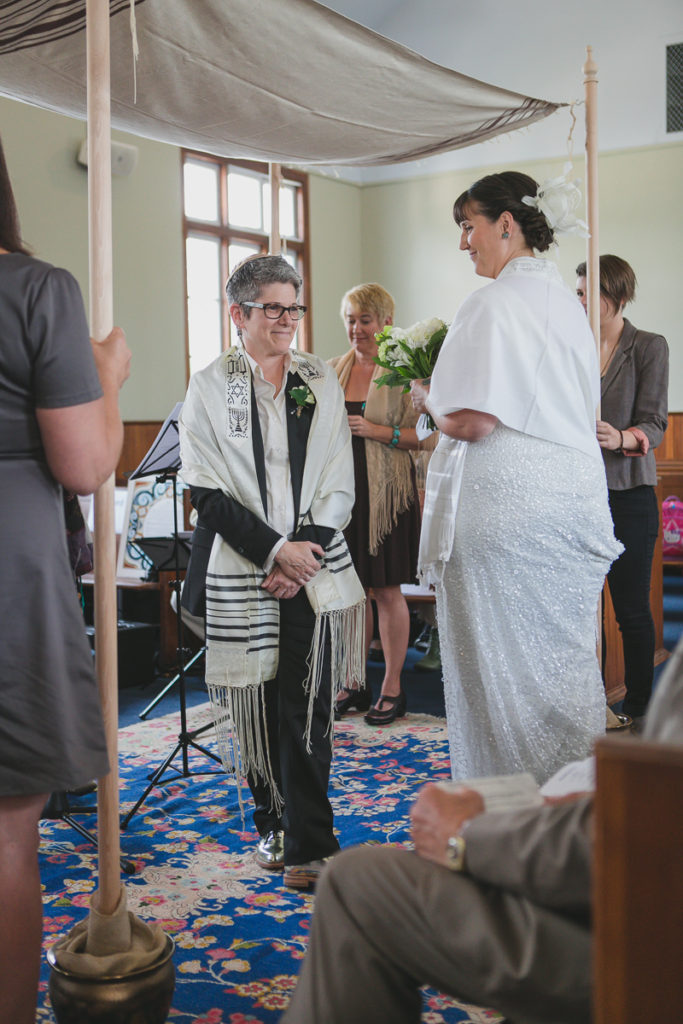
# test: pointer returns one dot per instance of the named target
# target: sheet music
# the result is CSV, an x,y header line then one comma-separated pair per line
x,y
575,777
516,792
502,792
164,455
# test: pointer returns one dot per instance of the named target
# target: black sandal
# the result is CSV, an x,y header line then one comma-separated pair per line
x,y
397,709
360,699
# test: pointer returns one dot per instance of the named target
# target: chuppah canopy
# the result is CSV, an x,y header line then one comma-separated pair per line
x,y
289,82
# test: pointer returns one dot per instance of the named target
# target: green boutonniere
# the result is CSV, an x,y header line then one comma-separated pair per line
x,y
303,396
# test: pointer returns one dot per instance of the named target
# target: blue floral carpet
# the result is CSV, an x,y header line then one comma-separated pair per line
x,y
240,935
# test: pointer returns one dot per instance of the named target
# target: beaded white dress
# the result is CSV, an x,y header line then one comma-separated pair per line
x,y
518,579
517,607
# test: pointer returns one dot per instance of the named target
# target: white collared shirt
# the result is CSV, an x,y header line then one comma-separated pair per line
x,y
272,413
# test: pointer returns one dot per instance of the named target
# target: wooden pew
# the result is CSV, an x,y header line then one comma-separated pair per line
x,y
638,882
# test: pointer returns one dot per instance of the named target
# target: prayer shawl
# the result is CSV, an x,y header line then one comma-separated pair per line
x,y
242,619
390,481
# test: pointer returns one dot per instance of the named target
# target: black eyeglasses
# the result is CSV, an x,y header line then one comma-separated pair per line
x,y
274,310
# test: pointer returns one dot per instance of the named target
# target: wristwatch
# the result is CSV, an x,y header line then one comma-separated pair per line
x,y
455,853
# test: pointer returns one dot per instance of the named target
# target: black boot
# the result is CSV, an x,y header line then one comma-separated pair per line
x,y
432,659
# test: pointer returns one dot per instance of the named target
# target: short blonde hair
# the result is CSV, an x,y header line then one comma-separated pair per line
x,y
369,298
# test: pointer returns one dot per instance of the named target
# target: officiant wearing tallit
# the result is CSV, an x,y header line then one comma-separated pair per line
x,y
517,535
266,449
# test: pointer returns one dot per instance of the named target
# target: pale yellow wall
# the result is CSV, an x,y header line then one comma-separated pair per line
x,y
410,242
336,257
51,192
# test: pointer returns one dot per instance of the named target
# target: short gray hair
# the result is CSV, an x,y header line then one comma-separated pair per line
x,y
253,274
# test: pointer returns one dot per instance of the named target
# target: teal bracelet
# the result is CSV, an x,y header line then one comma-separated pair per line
x,y
396,437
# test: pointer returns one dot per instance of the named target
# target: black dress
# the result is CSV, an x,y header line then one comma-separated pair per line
x,y
396,558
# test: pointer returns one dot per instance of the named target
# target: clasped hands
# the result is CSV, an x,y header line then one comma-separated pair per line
x,y
295,565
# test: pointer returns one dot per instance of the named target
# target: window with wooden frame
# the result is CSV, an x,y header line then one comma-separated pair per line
x,y
226,217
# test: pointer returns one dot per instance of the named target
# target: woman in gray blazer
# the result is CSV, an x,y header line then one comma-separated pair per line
x,y
634,371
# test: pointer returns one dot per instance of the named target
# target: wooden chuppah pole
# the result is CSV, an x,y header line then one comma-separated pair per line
x,y
590,81
590,84
101,322
275,175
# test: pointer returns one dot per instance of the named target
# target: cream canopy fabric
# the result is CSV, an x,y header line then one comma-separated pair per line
x,y
286,81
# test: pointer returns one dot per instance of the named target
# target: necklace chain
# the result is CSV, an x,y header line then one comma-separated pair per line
x,y
605,364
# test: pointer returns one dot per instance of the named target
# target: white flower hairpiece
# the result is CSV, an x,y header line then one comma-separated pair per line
x,y
557,199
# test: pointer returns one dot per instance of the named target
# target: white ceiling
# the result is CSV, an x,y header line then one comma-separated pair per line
x,y
538,47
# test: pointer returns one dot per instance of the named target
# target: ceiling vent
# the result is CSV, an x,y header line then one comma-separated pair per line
x,y
674,88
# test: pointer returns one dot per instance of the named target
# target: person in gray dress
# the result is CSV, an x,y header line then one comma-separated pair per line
x,y
59,428
507,927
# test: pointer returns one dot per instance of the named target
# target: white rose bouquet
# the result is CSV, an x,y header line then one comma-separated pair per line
x,y
410,354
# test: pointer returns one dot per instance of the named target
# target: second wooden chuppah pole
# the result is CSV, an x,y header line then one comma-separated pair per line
x,y
275,177
590,79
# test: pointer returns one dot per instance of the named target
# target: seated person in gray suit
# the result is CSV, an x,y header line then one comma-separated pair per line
x,y
266,449
508,926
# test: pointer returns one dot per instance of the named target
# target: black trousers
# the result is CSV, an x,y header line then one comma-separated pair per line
x,y
302,777
636,523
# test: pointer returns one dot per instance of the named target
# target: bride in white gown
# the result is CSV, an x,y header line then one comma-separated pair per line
x,y
517,534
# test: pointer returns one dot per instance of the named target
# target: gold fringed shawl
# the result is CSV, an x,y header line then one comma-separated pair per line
x,y
390,481
242,619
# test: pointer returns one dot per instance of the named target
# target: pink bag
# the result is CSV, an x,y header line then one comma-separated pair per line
x,y
672,527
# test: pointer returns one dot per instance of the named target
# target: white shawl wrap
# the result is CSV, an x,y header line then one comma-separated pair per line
x,y
520,349
242,619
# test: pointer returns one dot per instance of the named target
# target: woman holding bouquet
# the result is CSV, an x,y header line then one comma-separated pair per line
x,y
384,531
520,554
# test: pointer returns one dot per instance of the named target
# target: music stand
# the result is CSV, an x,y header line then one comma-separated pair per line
x,y
59,808
163,460
159,551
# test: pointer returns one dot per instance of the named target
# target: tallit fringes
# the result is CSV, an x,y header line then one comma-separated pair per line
x,y
346,629
243,745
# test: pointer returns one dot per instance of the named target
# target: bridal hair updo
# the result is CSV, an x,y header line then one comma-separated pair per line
x,y
617,280
495,194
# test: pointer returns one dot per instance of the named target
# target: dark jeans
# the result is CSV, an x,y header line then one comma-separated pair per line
x,y
636,523
301,777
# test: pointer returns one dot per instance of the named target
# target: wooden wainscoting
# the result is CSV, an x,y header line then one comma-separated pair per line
x,y
669,457
138,437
